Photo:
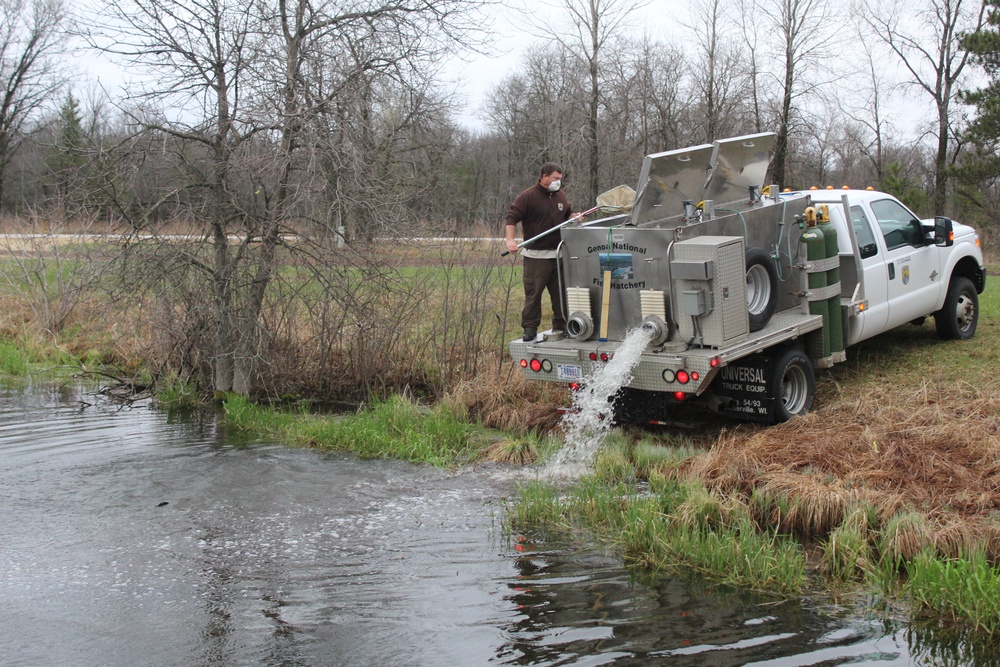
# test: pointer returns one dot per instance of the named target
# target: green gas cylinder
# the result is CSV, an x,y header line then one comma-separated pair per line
x,y
815,249
833,279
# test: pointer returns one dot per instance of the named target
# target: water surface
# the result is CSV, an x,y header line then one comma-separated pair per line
x,y
133,538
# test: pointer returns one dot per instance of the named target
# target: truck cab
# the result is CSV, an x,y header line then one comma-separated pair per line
x,y
896,268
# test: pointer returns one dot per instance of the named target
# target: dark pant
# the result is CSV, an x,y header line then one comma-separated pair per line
x,y
539,275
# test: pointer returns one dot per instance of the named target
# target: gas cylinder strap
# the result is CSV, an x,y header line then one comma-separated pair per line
x,y
823,293
822,265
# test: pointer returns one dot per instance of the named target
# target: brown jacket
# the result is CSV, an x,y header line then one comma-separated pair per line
x,y
537,210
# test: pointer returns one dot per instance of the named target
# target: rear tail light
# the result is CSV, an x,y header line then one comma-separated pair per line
x,y
683,377
536,365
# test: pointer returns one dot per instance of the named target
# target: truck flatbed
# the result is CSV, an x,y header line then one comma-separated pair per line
x,y
567,360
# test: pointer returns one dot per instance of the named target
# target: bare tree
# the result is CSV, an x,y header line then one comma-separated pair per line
x,y
239,92
870,129
594,23
646,104
541,112
801,28
926,42
31,38
717,77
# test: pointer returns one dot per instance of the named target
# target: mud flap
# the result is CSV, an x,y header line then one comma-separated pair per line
x,y
743,390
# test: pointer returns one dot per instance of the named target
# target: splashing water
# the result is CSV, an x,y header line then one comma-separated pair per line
x,y
588,422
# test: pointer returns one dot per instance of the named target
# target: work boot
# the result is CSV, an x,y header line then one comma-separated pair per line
x,y
530,333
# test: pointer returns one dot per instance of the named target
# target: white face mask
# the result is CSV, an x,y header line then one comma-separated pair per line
x,y
554,185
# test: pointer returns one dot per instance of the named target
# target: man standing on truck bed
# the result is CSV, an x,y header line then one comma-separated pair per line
x,y
540,208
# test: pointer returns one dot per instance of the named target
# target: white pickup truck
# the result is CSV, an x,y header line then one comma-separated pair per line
x,y
740,291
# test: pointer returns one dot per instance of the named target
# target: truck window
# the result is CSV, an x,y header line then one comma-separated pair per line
x,y
899,226
863,230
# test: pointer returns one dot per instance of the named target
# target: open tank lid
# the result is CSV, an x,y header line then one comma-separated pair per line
x,y
739,164
669,179
723,171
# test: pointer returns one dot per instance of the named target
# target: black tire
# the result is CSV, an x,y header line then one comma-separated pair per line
x,y
959,316
793,385
762,287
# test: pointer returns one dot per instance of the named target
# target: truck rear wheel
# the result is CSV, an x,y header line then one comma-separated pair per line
x,y
762,287
959,316
793,385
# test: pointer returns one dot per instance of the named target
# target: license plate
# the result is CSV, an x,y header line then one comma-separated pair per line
x,y
569,371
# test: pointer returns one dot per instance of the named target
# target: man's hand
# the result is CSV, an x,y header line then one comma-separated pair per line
x,y
511,245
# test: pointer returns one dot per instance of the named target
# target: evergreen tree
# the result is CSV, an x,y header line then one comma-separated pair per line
x,y
68,158
983,133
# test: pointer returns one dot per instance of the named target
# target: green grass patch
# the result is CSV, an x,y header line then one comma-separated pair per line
x,y
13,359
677,525
966,589
397,428
175,394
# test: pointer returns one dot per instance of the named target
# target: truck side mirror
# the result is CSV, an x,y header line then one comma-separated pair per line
x,y
944,232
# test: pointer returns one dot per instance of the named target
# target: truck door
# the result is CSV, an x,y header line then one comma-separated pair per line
x,y
871,321
911,264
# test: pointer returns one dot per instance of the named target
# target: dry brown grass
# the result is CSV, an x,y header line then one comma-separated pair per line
x,y
934,455
501,397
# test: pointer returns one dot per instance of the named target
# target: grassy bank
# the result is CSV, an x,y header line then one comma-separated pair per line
x,y
397,428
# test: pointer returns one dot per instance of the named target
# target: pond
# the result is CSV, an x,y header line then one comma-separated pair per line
x,y
133,537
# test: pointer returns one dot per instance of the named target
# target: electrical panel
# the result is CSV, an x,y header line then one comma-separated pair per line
x,y
710,290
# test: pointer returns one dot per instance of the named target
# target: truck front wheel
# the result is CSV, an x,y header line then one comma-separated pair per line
x,y
959,316
793,385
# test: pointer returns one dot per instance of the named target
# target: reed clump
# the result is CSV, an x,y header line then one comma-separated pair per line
x,y
515,451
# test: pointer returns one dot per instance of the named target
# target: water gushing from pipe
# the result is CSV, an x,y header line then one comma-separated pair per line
x,y
586,425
